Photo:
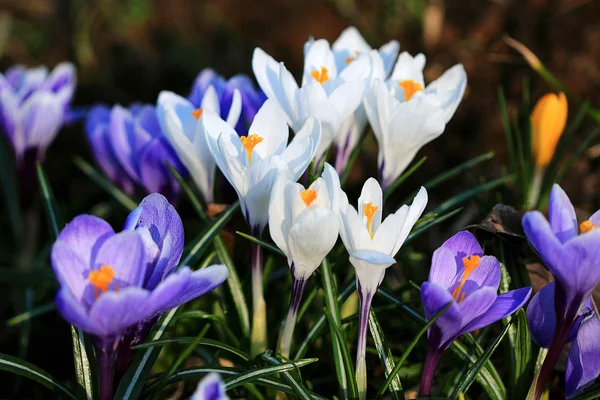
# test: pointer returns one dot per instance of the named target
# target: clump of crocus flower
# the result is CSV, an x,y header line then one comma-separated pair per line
x,y
252,164
113,285
548,120
304,224
464,278
211,387
252,98
561,311
372,242
130,147
34,105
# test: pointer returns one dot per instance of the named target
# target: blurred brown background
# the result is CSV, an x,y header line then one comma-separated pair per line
x,y
129,50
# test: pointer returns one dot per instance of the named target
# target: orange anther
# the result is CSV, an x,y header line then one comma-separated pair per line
x,y
308,196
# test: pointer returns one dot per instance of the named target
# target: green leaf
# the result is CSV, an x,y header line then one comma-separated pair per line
x,y
81,345
216,318
235,287
10,188
343,360
400,180
319,325
298,387
261,243
353,157
26,316
521,350
459,169
135,377
428,225
458,199
254,374
591,393
197,373
385,355
182,357
54,220
116,193
476,368
30,371
409,348
344,372
510,146
201,243
189,193
203,342
577,154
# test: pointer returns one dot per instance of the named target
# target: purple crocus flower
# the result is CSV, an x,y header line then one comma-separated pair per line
x,y
129,146
111,283
462,276
211,387
252,98
33,107
574,260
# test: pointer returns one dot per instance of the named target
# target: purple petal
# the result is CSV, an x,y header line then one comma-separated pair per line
x,y
505,304
152,172
561,215
15,75
182,286
114,312
486,274
74,312
62,79
146,118
544,241
10,122
463,244
541,316
476,304
583,264
210,388
583,364
84,236
204,79
70,269
443,267
447,327
42,117
124,253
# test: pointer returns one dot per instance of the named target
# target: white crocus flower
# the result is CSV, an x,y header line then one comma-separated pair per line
x,y
325,95
405,114
372,244
304,224
182,124
253,163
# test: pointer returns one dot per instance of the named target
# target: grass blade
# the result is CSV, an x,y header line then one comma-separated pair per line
x,y
116,193
345,375
189,193
451,173
261,243
385,355
474,371
26,316
299,389
30,371
203,342
254,374
403,177
54,220
409,348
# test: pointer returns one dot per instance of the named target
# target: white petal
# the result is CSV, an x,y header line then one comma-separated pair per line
x,y
355,236
210,101
346,98
318,56
409,68
449,88
370,268
389,52
303,147
332,180
389,231
414,213
312,237
182,107
280,218
270,124
371,193
236,108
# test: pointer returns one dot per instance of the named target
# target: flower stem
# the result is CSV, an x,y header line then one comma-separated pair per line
x,y
431,361
561,335
258,341
365,300
536,187
290,321
105,353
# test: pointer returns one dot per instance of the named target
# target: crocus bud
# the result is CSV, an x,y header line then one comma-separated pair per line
x,y
548,121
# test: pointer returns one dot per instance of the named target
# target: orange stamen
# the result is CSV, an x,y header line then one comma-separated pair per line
x,y
321,75
587,226
470,263
369,211
308,196
350,59
250,143
410,88
197,113
101,278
